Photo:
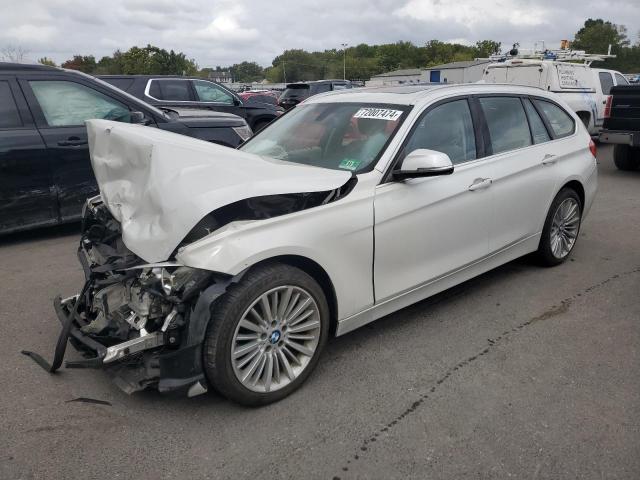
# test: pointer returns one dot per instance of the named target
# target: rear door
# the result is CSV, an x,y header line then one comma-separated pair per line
x,y
26,196
60,106
522,164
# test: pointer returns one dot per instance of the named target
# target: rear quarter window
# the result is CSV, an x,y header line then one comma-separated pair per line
x,y
560,121
9,116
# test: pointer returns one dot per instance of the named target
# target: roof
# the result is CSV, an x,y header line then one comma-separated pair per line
x,y
401,73
415,94
465,64
6,66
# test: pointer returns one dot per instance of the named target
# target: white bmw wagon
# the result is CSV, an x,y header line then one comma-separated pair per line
x,y
208,267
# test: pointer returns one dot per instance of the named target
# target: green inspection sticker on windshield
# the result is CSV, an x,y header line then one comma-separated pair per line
x,y
349,164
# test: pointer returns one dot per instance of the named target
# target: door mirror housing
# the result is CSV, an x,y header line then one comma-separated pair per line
x,y
424,163
137,117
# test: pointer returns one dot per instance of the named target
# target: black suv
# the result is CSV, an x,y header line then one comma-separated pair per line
x,y
193,92
294,93
45,170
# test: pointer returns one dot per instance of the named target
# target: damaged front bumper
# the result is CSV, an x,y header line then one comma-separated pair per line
x,y
142,324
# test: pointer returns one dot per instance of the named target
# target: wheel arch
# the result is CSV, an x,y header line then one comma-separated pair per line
x,y
318,273
577,187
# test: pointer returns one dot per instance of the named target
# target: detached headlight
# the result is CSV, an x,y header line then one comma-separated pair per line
x,y
243,132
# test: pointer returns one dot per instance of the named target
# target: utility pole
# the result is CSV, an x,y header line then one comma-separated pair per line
x,y
284,72
344,61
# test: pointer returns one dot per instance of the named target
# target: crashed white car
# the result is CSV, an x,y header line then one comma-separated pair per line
x,y
208,267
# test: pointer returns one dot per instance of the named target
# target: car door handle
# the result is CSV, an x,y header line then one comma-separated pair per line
x,y
480,183
72,142
549,159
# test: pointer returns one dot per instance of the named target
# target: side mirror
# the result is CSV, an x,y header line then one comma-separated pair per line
x,y
237,102
137,117
424,163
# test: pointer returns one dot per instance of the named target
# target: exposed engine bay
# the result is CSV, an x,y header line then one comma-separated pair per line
x,y
145,323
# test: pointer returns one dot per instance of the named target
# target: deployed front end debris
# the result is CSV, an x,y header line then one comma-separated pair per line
x,y
132,318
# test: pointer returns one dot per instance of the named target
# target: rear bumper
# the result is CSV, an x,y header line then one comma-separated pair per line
x,y
620,137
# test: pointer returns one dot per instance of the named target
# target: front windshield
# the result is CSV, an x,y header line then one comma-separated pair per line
x,y
340,136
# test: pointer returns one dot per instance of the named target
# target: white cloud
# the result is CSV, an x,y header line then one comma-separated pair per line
x,y
473,13
221,32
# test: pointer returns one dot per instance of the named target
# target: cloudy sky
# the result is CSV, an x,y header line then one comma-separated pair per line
x,y
222,32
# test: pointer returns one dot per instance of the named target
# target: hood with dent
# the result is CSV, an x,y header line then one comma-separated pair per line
x,y
159,184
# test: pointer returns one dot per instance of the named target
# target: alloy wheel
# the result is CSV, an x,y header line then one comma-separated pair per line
x,y
565,227
275,339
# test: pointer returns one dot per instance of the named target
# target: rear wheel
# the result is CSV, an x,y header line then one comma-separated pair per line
x,y
266,334
561,228
626,158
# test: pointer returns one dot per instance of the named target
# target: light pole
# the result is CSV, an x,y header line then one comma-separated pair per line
x,y
344,61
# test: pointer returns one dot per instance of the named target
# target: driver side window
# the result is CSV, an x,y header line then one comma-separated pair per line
x,y
68,104
447,128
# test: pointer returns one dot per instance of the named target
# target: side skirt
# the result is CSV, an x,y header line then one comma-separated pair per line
x,y
437,285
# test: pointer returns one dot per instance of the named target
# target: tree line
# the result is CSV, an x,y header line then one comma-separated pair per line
x,y
359,62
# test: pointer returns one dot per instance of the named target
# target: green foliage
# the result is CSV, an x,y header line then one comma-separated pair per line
x,y
47,61
149,60
595,37
247,72
84,63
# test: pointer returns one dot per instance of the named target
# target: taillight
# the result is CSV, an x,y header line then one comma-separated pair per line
x,y
607,107
592,147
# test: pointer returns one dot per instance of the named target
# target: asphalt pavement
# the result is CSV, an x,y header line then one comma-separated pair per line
x,y
524,372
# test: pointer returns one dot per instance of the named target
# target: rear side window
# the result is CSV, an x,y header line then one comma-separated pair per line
x,y
606,82
447,128
508,127
538,130
172,90
620,80
561,123
9,117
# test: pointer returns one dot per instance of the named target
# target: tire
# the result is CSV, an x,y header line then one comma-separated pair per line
x,y
626,158
225,334
550,252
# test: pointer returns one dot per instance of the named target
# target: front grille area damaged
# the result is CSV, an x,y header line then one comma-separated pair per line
x,y
133,319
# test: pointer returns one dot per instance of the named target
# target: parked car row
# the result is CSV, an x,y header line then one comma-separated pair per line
x,y
193,92
45,170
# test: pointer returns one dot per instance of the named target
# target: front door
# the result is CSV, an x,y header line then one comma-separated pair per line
x,y
426,228
26,196
61,107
